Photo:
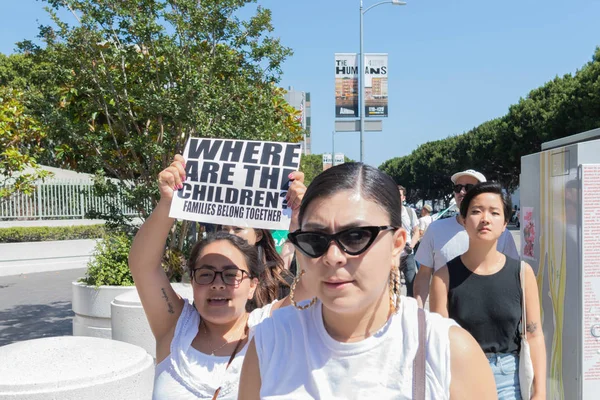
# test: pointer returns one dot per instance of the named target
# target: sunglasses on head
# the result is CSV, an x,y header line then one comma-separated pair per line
x,y
458,187
352,241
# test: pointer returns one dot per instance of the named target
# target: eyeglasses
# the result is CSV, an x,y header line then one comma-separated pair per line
x,y
352,241
458,187
230,276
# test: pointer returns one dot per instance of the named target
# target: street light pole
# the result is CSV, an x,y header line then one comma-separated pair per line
x,y
361,63
333,143
361,99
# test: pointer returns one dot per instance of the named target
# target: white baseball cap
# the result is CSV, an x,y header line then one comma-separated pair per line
x,y
470,172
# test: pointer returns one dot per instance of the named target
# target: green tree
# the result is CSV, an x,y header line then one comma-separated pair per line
x,y
132,80
311,165
563,106
20,137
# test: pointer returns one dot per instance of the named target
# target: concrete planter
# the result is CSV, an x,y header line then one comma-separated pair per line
x,y
73,368
129,323
91,306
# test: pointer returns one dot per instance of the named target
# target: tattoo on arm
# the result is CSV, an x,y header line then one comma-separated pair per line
x,y
171,311
531,327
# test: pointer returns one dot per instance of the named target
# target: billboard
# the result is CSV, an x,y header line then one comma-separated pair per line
x,y
376,85
346,85
338,158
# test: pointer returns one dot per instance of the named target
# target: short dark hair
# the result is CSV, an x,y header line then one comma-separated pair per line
x,y
487,187
371,183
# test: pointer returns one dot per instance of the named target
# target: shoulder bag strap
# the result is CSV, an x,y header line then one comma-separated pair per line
x,y
524,311
419,361
235,351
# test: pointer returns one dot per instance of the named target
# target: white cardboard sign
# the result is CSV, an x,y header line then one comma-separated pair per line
x,y
237,182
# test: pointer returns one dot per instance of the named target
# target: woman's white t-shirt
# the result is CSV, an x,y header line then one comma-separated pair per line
x,y
190,374
299,360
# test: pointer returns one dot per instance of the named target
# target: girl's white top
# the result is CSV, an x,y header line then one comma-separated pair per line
x,y
299,360
189,374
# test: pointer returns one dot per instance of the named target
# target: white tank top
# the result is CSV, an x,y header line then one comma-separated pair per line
x,y
299,360
190,374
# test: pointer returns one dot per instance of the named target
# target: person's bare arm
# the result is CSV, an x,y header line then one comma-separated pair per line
x,y
161,304
250,382
472,377
421,284
416,236
294,198
535,335
438,303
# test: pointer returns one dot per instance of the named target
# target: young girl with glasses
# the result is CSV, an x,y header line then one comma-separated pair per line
x,y
278,275
200,347
358,338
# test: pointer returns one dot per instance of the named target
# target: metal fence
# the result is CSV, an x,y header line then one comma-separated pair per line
x,y
60,199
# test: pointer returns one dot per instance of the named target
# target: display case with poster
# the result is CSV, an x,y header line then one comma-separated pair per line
x,y
560,231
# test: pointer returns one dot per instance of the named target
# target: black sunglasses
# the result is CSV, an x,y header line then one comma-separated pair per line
x,y
353,241
230,276
458,187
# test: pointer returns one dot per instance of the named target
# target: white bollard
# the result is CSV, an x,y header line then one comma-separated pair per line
x,y
129,322
74,368
91,306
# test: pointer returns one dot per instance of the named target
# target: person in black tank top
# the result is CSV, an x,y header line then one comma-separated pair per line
x,y
481,290
488,306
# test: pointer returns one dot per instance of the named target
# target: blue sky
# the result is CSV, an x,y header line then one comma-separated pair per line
x,y
452,64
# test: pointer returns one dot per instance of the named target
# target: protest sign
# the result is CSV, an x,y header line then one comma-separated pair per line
x,y
237,182
279,237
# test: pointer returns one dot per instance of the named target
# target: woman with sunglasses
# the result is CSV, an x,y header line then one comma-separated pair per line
x,y
482,290
200,347
358,338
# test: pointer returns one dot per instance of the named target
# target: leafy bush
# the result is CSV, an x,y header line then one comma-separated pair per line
x,y
45,233
108,265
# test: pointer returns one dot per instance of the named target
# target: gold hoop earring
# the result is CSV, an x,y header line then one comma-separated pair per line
x,y
394,285
293,288
391,287
397,286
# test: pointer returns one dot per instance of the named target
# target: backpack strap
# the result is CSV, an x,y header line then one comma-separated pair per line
x,y
419,361
412,214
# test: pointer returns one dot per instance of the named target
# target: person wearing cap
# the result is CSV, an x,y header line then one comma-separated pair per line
x,y
446,238
426,219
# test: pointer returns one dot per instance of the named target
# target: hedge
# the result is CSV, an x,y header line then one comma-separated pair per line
x,y
46,233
